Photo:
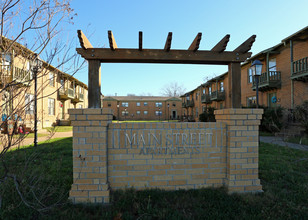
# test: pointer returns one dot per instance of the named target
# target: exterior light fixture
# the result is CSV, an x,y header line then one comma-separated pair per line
x,y
256,70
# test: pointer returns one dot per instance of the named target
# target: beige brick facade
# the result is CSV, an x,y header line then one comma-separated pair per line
x,y
56,92
168,156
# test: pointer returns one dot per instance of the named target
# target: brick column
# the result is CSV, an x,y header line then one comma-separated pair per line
x,y
242,148
90,183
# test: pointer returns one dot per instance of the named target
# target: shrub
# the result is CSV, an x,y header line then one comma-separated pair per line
x,y
207,115
301,114
272,120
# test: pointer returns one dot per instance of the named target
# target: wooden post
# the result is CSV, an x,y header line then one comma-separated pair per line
x,y
234,70
94,94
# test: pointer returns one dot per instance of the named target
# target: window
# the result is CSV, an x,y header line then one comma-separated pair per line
x,y
158,113
145,104
221,86
251,101
29,102
203,91
138,104
145,112
124,104
51,106
124,113
158,104
272,64
173,104
51,79
6,62
197,95
197,112
109,104
250,77
210,90
138,113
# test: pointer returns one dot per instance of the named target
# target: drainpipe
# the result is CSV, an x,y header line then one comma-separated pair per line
x,y
292,82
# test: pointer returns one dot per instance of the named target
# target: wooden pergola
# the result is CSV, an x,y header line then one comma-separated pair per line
x,y
217,55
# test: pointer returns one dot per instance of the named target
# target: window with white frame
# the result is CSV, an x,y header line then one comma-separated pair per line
x,y
29,103
250,77
158,104
145,104
221,86
124,113
138,113
145,112
124,104
158,113
51,106
51,79
138,104
272,64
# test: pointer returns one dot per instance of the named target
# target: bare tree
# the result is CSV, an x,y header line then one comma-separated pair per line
x,y
28,28
173,89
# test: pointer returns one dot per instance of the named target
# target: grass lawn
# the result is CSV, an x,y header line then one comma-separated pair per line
x,y
48,171
298,140
60,129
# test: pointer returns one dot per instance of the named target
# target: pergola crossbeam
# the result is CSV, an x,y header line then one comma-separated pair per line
x,y
83,40
140,40
221,45
195,44
112,42
246,46
168,42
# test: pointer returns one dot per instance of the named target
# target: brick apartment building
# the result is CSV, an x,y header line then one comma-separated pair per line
x,y
56,90
144,107
284,80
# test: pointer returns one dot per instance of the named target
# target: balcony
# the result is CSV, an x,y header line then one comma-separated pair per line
x,y
300,70
206,98
22,76
5,76
268,81
79,97
188,103
65,94
218,96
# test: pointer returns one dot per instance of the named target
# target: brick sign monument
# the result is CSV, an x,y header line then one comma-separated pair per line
x,y
169,156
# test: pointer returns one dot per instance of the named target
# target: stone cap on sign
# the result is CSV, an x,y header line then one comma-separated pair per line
x,y
239,111
91,111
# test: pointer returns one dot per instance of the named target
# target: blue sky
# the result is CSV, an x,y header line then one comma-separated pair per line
x,y
270,20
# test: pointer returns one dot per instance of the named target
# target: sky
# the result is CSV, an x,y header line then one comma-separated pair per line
x,y
270,20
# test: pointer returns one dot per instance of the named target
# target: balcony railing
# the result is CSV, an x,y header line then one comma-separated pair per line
x,y
21,76
300,69
65,94
268,81
218,95
5,76
188,103
206,98
79,97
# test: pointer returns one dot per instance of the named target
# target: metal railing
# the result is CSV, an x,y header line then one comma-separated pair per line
x,y
300,66
218,95
188,103
21,75
268,77
206,98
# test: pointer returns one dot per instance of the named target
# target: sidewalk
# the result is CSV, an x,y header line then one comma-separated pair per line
x,y
28,141
281,142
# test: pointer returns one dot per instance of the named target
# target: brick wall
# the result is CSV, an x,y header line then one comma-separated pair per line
x,y
163,155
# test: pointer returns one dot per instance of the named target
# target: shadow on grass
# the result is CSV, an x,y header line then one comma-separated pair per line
x,y
283,174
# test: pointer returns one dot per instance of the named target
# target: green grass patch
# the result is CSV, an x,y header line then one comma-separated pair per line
x,y
60,129
283,174
298,140
31,135
265,133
